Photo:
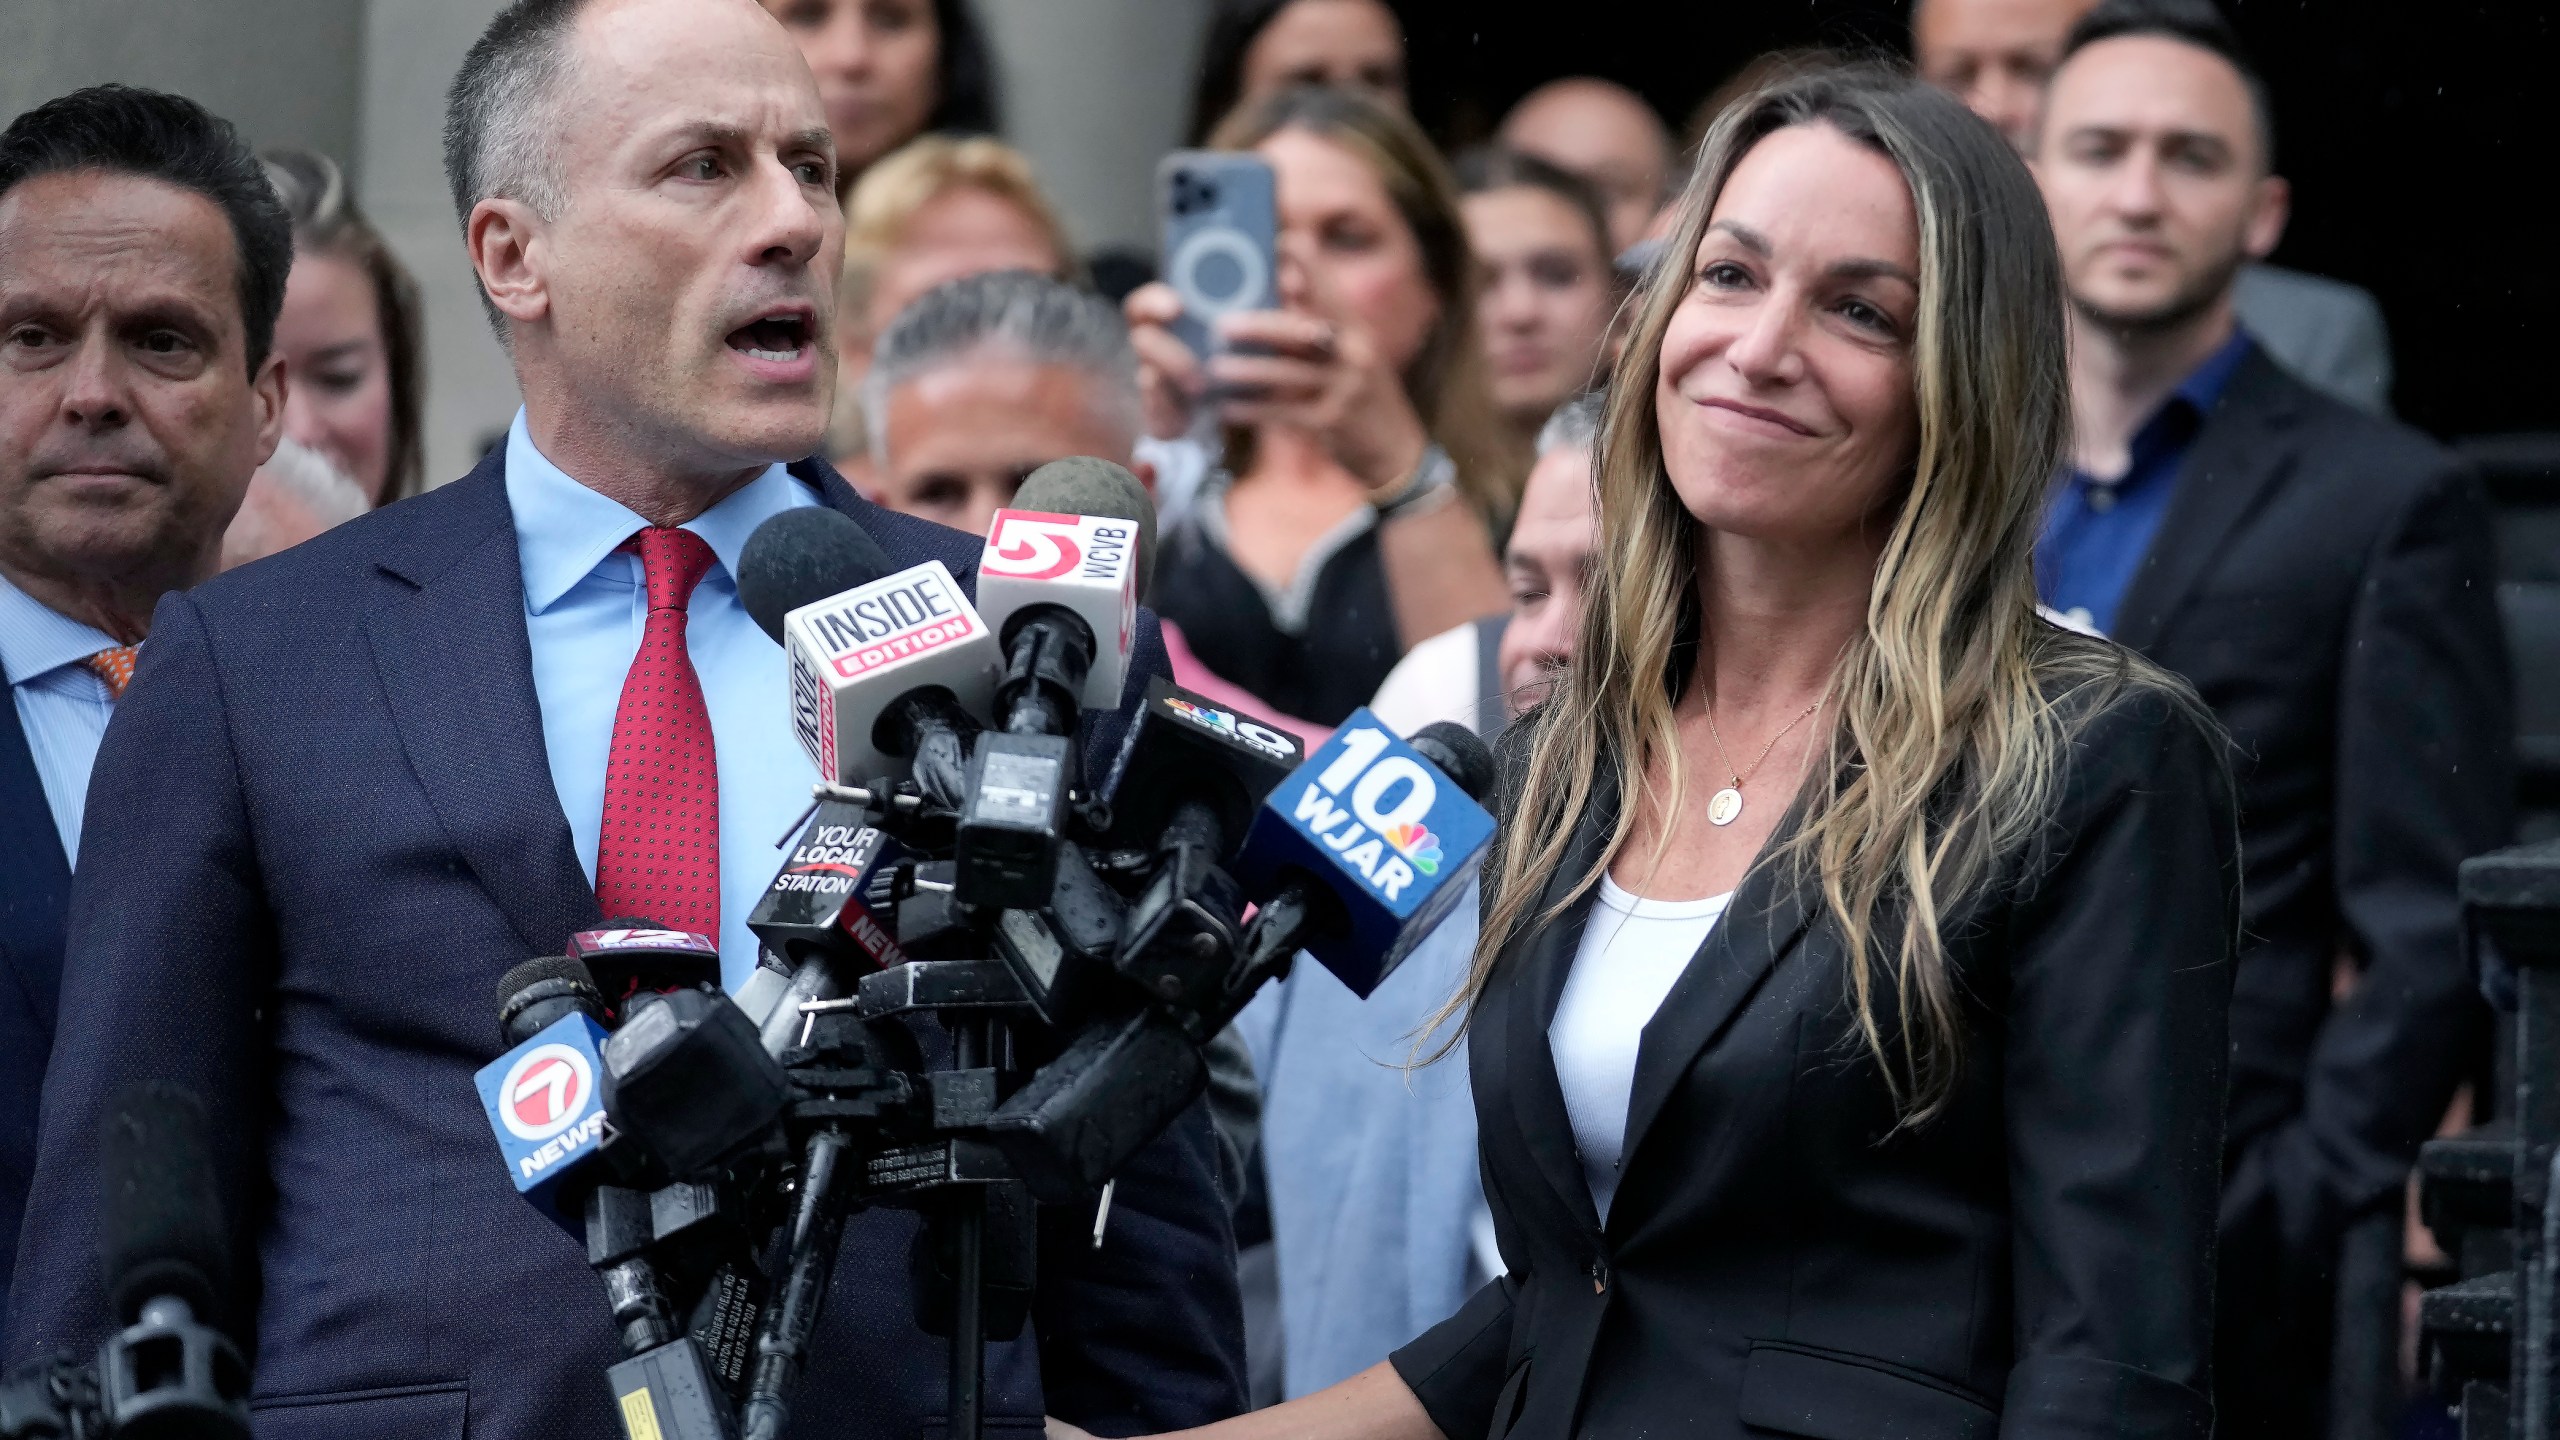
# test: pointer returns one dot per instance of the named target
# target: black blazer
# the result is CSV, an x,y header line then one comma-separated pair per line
x,y
35,892
2037,1261
321,827
2326,581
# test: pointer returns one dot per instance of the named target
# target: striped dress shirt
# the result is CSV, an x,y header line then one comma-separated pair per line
x,y
62,705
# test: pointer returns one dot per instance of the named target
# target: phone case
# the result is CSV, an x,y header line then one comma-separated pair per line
x,y
1220,220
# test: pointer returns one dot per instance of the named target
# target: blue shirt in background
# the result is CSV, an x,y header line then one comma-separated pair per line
x,y
62,704
586,607
2098,530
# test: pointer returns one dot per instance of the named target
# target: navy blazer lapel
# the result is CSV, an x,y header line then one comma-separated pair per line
x,y
35,883
2227,474
457,668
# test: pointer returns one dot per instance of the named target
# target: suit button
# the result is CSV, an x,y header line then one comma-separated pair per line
x,y
1599,1270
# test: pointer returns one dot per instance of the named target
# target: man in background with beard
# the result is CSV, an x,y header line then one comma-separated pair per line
x,y
2324,578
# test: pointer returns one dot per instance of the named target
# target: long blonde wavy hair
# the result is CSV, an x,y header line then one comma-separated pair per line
x,y
1949,711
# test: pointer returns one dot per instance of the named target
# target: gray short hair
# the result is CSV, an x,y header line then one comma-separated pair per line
x,y
498,130
1576,422
1028,317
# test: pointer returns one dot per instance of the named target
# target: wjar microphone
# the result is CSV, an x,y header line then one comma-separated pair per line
x,y
1366,848
1058,584
1356,855
886,673
168,1373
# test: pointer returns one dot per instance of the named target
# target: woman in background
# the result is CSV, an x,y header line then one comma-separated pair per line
x,y
940,209
1541,241
891,70
1360,467
351,334
1257,48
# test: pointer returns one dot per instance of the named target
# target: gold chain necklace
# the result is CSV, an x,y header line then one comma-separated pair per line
x,y
1726,806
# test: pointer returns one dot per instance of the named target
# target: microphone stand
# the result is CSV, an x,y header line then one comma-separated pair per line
x,y
968,1246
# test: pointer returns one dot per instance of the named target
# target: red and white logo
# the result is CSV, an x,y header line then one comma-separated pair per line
x,y
544,1091
1033,545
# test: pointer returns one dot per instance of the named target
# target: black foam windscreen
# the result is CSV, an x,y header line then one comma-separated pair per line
x,y
1083,485
542,990
1460,753
801,557
160,1227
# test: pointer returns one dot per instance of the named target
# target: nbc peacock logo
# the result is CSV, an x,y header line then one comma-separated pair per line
x,y
1416,843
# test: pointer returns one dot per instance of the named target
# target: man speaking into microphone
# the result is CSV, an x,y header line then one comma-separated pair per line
x,y
356,784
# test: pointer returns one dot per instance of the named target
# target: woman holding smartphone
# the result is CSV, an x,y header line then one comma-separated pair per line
x,y
1342,505
1847,1029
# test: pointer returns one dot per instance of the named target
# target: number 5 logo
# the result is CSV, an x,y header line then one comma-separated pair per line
x,y
1027,546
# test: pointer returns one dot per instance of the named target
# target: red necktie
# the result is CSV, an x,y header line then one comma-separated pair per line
x,y
659,858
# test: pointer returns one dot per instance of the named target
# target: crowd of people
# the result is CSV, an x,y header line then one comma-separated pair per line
x,y
1991,707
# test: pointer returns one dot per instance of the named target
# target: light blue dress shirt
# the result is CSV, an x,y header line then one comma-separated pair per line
x,y
62,704
586,606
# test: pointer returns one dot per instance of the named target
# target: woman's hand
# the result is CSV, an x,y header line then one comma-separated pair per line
x,y
1170,377
1285,368
1061,1430
1280,367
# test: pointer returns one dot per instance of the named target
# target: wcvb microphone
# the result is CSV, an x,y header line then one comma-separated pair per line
x,y
1058,584
887,670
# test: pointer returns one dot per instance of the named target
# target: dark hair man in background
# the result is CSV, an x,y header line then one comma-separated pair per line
x,y
358,782
2324,578
1998,55
142,263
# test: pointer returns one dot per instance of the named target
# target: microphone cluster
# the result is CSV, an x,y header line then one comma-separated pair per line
x,y
984,981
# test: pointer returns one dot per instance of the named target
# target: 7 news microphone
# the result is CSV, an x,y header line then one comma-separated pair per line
x,y
167,1372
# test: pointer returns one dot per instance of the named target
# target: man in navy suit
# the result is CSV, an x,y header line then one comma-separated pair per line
x,y
357,781
142,262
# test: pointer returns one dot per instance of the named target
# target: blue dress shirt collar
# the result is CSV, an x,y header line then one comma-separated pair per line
x,y
564,530
2183,413
36,639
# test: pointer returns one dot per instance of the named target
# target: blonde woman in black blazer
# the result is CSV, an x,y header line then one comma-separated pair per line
x,y
1922,1137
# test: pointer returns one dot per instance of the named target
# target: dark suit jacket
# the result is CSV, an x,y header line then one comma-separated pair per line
x,y
2035,1261
35,893
322,826
2325,580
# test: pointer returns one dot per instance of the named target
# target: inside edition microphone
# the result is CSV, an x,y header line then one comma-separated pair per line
x,y
886,673
1058,584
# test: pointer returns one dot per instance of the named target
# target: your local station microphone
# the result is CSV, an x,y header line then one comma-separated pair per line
x,y
886,674
168,1372
1058,584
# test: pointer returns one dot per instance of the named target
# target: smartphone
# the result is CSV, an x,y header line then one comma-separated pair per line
x,y
1221,223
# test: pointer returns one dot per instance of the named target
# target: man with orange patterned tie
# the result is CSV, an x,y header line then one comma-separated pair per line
x,y
142,263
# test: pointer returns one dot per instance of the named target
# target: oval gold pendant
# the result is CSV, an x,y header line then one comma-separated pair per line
x,y
1726,807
